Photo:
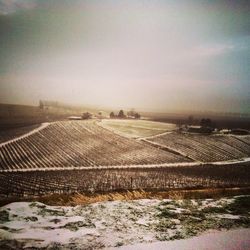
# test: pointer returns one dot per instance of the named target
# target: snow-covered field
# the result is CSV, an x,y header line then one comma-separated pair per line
x,y
136,128
114,224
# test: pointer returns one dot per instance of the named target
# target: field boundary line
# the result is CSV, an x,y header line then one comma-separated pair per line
x,y
41,127
172,150
155,136
146,166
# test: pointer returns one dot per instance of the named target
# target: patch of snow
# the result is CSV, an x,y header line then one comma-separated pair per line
x,y
176,221
227,216
179,210
143,222
194,202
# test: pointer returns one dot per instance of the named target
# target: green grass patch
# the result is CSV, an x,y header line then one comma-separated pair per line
x,y
240,206
31,218
74,226
215,210
45,211
194,220
165,224
4,216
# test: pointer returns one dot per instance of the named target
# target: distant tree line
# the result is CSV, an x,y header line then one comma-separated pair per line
x,y
122,115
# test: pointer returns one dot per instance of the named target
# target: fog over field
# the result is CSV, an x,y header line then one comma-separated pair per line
x,y
149,55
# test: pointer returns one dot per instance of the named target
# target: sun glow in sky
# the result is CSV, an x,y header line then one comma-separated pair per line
x,y
151,55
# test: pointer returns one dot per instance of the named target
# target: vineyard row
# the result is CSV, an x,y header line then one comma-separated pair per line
x,y
205,148
72,144
100,180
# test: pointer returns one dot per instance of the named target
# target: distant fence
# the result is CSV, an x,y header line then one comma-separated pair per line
x,y
35,183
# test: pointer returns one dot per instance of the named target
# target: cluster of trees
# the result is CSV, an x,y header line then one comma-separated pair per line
x,y
121,114
206,125
133,114
204,122
86,115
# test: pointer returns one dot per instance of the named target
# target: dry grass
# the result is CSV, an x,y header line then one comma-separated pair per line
x,y
83,198
80,199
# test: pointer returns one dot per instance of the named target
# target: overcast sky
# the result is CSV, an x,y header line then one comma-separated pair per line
x,y
150,55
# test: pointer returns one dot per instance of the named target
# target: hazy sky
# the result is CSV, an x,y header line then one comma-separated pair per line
x,y
150,55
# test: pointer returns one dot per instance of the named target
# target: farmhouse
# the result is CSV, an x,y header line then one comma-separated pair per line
x,y
199,129
75,118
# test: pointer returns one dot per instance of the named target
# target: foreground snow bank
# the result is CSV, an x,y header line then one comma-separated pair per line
x,y
117,223
238,239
